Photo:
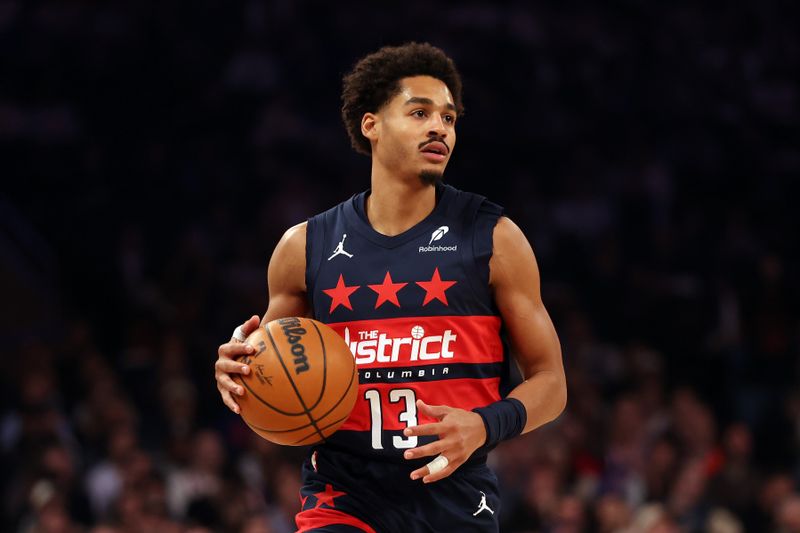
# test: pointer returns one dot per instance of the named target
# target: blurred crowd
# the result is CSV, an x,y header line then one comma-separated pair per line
x,y
152,154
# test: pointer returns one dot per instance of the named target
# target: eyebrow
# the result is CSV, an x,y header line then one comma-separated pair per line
x,y
427,101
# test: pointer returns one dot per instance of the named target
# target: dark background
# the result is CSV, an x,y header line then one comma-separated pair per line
x,y
151,155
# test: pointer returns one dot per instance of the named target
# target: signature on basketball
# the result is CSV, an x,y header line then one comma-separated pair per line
x,y
294,334
261,377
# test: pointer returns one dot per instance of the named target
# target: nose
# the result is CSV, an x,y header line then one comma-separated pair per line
x,y
437,127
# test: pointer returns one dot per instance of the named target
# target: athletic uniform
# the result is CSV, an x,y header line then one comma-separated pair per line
x,y
418,315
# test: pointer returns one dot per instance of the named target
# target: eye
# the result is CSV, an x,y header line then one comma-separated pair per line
x,y
450,119
419,113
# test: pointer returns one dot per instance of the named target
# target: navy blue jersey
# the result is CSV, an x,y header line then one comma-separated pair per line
x,y
417,312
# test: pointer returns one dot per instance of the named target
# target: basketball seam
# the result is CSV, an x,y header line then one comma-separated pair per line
x,y
343,396
324,367
353,374
294,386
297,442
260,399
321,417
265,430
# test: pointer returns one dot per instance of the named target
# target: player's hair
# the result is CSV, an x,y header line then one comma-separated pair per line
x,y
375,79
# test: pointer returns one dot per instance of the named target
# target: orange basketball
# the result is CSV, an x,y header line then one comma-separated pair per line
x,y
302,383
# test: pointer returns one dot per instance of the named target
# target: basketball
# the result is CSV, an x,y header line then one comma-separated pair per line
x,y
302,382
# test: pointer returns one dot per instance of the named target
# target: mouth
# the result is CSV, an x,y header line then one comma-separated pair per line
x,y
435,151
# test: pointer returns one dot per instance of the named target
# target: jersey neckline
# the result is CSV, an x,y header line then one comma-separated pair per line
x,y
355,213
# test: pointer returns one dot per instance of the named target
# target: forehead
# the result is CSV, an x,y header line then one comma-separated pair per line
x,y
425,87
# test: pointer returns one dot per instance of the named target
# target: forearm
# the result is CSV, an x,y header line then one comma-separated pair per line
x,y
544,396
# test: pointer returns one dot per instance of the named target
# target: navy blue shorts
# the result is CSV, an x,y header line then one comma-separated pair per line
x,y
346,494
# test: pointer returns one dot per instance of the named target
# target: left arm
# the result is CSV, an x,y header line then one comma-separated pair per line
x,y
514,279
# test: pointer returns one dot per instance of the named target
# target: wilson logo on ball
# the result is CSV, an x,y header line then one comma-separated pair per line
x,y
294,334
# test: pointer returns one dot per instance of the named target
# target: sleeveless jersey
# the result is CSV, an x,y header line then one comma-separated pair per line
x,y
416,311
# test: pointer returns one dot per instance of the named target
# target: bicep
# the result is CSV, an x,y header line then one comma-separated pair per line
x,y
514,277
286,276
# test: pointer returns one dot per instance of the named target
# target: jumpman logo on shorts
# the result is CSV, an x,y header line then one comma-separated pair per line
x,y
482,506
340,249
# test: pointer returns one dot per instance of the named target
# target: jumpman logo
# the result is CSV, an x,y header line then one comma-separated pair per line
x,y
482,506
340,249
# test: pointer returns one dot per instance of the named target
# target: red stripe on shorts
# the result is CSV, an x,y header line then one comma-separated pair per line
x,y
311,519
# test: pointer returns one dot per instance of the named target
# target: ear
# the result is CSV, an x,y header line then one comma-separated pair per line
x,y
370,126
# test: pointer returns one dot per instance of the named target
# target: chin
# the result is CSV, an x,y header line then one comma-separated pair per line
x,y
431,176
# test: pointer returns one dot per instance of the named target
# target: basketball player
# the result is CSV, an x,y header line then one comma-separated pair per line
x,y
420,279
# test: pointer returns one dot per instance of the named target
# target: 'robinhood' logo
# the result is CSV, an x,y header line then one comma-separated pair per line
x,y
435,236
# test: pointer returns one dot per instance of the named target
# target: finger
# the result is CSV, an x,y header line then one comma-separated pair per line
x,y
232,350
428,477
433,448
247,327
434,428
225,383
441,474
432,411
251,325
229,366
228,400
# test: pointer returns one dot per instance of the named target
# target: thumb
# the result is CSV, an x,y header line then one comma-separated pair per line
x,y
432,411
251,325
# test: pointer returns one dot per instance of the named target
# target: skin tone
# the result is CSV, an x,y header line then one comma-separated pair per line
x,y
422,117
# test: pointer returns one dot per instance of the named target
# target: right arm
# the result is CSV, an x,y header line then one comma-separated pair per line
x,y
286,282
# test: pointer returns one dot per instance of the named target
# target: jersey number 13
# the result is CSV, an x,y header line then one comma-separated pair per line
x,y
408,415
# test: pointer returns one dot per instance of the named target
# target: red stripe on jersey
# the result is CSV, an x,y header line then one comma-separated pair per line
x,y
423,340
311,519
464,394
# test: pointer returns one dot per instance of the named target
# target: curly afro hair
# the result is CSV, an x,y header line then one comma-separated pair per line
x,y
375,80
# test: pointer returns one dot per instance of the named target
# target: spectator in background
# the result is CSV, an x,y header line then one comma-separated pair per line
x,y
199,481
787,515
612,513
105,480
49,512
734,485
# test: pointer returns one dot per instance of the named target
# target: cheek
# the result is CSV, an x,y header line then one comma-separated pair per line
x,y
399,141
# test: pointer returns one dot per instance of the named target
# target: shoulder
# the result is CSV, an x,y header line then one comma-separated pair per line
x,y
287,267
296,232
512,254
507,233
291,249
294,239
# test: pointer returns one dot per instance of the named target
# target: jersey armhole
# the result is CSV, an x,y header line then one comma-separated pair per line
x,y
481,218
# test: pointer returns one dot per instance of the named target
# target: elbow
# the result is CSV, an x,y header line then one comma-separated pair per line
x,y
562,397
558,395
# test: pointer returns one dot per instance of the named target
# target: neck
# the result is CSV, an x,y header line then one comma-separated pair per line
x,y
397,203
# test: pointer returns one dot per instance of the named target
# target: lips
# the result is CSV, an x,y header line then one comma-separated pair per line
x,y
436,147
433,157
435,152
